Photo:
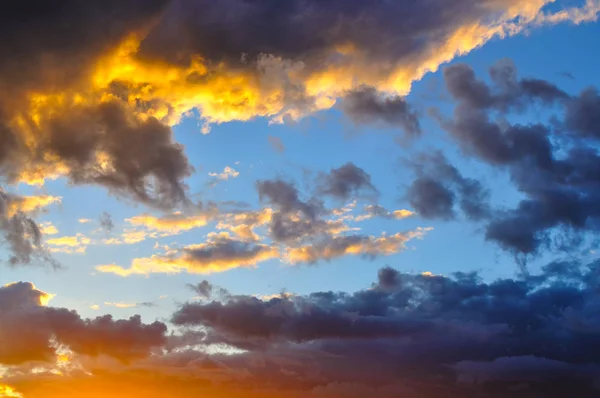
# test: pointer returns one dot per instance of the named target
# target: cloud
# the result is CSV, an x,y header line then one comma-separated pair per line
x,y
122,305
69,244
20,232
372,211
365,105
550,164
276,144
286,197
333,247
243,224
97,107
173,223
407,333
226,174
219,253
439,186
47,228
346,182
31,327
106,222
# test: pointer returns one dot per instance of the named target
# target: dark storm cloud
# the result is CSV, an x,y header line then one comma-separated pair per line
x,y
439,186
553,164
38,36
28,328
428,327
366,106
346,182
21,234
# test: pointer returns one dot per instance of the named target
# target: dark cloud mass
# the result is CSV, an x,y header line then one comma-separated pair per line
x,y
535,332
553,165
28,329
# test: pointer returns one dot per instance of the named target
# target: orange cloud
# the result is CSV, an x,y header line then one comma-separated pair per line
x,y
69,244
339,246
156,88
220,253
30,204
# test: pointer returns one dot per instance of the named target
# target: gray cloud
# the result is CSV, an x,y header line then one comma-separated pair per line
x,y
487,336
346,182
30,327
106,222
365,105
439,186
552,165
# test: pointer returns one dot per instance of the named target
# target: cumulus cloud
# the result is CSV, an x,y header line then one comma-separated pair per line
x,y
532,332
365,106
346,182
97,107
219,253
373,211
33,328
549,163
418,333
69,244
439,186
276,144
20,232
226,174
332,247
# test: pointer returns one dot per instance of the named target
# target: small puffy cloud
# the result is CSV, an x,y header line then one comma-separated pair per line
x,y
84,220
172,223
47,228
69,244
372,211
226,174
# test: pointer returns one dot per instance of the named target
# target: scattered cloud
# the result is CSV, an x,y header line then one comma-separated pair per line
x,y
226,174
219,253
276,143
69,244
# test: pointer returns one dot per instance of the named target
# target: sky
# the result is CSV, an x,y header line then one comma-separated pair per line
x,y
301,198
